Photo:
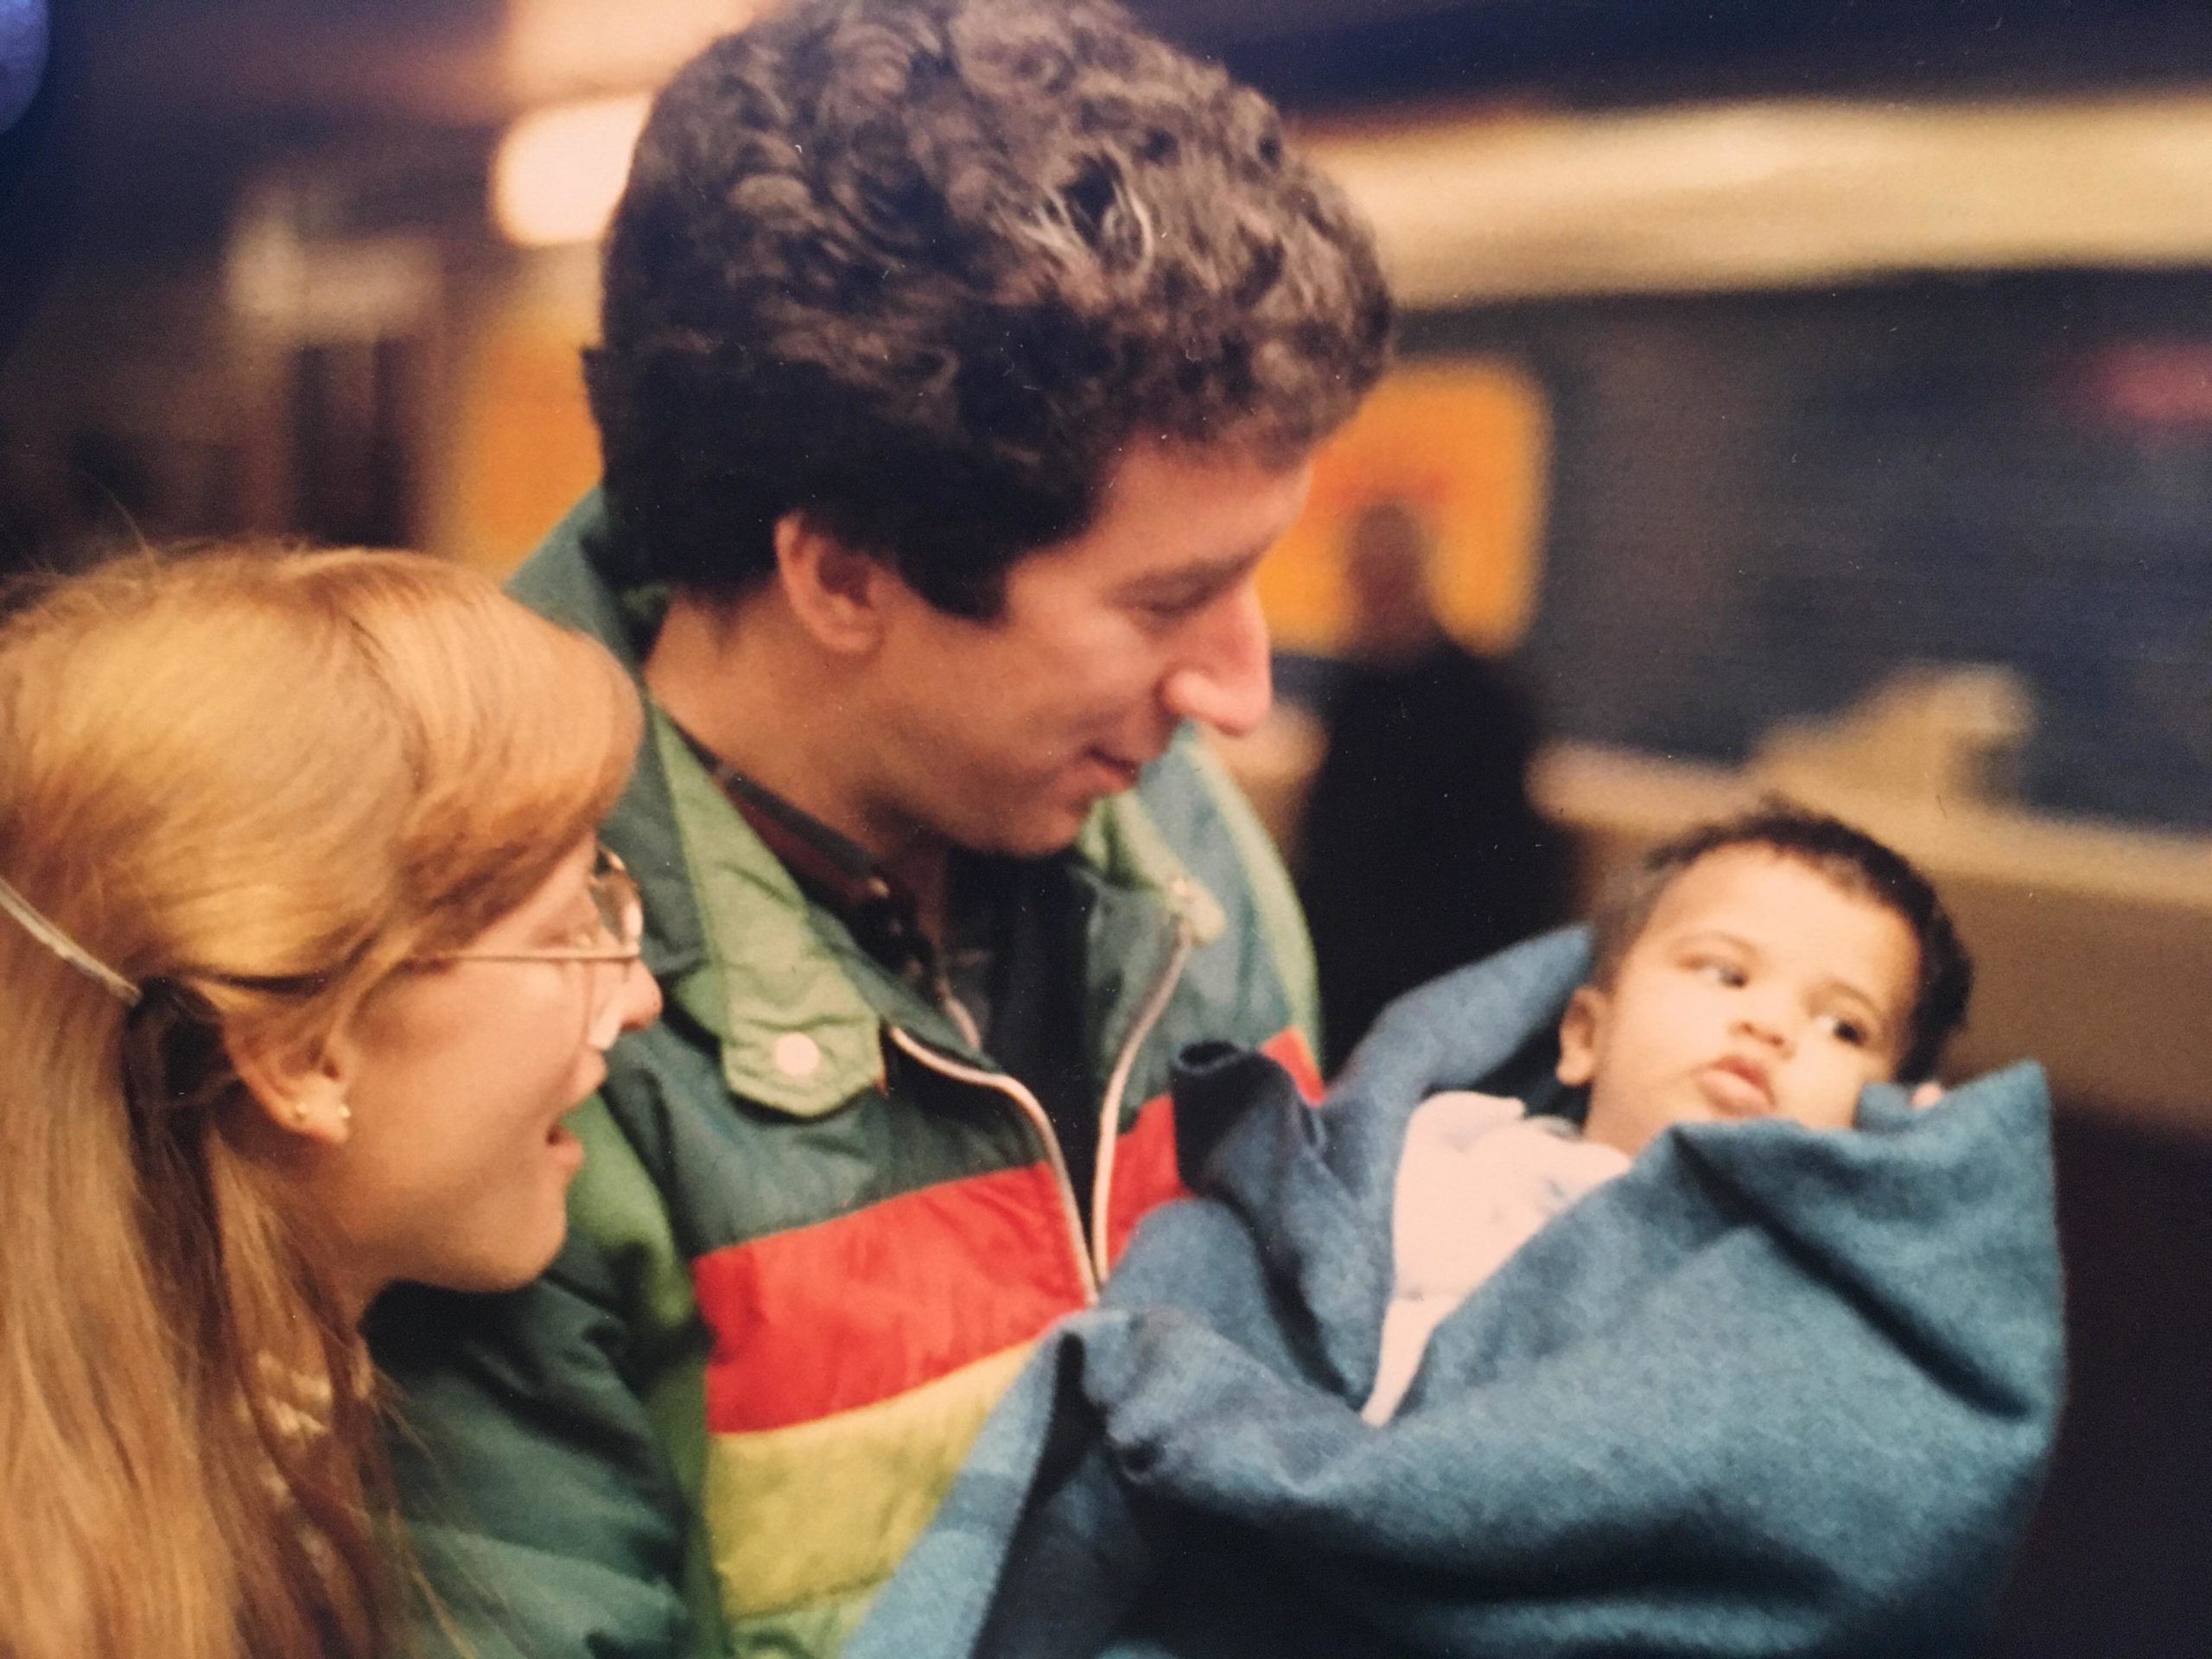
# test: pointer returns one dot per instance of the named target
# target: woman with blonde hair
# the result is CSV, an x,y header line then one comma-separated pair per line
x,y
305,947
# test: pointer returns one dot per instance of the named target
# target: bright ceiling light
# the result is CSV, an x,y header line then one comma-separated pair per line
x,y
559,170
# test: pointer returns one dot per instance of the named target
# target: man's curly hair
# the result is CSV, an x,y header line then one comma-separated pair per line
x,y
925,270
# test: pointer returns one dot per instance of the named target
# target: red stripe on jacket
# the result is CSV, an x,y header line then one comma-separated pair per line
x,y
857,1309
860,1308
1145,1171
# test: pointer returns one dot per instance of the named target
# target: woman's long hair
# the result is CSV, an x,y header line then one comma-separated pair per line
x,y
293,769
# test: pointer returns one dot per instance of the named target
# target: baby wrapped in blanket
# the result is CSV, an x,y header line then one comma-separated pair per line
x,y
1714,1373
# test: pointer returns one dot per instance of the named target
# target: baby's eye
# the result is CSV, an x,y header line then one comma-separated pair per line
x,y
1718,970
1845,1029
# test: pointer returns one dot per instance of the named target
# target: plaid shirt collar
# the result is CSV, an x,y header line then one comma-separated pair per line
x,y
876,906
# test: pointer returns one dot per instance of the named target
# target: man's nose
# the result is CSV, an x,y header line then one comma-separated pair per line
x,y
1222,679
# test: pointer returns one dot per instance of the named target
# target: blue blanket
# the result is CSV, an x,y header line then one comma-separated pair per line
x,y
1770,1392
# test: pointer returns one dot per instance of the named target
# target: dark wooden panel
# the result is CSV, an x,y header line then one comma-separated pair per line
x,y
2115,1564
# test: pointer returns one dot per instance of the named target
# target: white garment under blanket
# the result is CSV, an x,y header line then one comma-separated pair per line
x,y
1478,1177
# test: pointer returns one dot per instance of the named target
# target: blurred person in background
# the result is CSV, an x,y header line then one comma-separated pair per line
x,y
960,360
1419,848
307,953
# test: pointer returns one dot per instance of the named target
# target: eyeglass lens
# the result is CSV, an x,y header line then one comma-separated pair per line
x,y
621,912
614,895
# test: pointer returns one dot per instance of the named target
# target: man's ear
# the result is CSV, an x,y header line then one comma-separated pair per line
x,y
837,592
1580,1028
302,1088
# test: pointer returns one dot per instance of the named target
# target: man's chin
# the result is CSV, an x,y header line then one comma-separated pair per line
x,y
1039,833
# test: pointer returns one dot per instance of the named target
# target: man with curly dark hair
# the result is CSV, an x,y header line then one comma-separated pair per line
x,y
960,359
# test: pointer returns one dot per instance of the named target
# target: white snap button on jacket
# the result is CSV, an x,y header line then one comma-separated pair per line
x,y
797,1054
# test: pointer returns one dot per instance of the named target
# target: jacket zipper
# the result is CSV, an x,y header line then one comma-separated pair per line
x,y
1013,1089
1109,1114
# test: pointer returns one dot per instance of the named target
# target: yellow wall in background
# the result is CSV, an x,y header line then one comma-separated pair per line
x,y
1468,441
521,447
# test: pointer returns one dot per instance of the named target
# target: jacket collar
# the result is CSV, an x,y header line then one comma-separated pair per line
x,y
798,1033
1121,844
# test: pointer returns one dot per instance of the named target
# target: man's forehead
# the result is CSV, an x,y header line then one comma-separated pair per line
x,y
1202,512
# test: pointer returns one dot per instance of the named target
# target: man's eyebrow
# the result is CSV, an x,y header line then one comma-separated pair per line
x,y
1195,577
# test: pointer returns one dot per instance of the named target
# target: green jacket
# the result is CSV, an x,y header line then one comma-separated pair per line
x,y
816,1231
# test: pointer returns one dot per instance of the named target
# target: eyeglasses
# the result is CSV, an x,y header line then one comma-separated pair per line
x,y
621,923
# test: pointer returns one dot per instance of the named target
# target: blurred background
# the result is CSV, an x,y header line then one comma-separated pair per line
x,y
1799,394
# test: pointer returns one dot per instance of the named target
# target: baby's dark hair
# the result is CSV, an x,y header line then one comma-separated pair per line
x,y
927,271
1855,862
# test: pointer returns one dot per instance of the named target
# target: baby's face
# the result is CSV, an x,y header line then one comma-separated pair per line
x,y
1759,988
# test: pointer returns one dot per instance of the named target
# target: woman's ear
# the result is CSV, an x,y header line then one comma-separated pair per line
x,y
1581,1029
836,592
301,1087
